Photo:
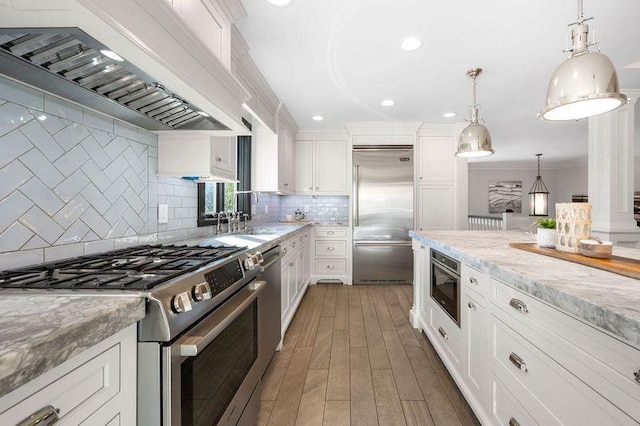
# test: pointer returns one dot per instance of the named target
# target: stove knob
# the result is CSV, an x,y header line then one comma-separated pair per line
x,y
201,292
258,258
181,302
249,263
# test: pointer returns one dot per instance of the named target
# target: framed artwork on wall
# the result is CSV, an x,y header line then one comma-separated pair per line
x,y
505,195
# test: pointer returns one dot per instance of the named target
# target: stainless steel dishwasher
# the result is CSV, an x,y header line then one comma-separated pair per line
x,y
269,314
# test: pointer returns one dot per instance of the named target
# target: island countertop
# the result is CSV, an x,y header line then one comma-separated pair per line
x,y
40,332
603,299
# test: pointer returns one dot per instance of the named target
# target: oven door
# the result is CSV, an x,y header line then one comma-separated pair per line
x,y
211,371
445,289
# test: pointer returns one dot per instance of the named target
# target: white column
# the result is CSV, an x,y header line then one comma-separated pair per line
x,y
611,163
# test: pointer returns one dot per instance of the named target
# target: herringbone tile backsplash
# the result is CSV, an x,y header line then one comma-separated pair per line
x,y
73,181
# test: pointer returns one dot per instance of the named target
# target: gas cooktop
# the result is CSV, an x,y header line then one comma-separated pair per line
x,y
136,268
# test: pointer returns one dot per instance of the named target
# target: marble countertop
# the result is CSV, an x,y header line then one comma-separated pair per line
x,y
604,299
38,333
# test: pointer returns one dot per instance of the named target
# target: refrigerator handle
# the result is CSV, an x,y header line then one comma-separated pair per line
x,y
356,195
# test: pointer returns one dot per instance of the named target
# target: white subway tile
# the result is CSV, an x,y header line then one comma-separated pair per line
x,y
12,207
38,136
74,234
13,116
35,243
95,151
50,123
101,136
98,120
63,252
116,147
71,161
71,211
96,199
116,189
96,222
12,176
22,94
14,237
41,224
41,167
125,130
98,246
13,145
126,242
96,175
16,259
41,195
62,108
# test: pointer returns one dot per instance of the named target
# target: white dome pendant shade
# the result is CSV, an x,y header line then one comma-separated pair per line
x,y
584,85
475,140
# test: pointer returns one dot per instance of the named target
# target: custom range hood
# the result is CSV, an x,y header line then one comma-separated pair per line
x,y
135,60
69,63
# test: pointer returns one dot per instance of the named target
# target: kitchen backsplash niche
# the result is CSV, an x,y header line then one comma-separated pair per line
x,y
73,182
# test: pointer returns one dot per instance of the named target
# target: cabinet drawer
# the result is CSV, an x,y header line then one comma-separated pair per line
x,y
331,248
446,332
552,394
325,232
331,267
77,394
506,410
600,360
475,280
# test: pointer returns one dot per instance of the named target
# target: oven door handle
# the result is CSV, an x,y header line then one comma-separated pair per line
x,y
196,340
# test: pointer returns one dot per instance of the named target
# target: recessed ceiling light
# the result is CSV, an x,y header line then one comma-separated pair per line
x,y
280,3
317,118
449,114
112,55
202,113
388,102
410,44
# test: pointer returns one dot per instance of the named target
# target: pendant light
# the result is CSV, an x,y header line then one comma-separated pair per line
x,y
475,140
584,85
539,196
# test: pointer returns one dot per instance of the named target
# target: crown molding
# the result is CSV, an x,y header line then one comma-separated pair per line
x,y
314,134
383,128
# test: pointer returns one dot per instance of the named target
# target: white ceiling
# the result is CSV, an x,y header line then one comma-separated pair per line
x,y
341,58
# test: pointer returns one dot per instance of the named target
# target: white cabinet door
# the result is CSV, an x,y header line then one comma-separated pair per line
x,y
292,279
331,167
435,207
285,161
223,156
284,288
436,159
304,167
475,327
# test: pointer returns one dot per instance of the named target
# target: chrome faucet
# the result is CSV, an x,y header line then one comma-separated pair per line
x,y
255,194
221,215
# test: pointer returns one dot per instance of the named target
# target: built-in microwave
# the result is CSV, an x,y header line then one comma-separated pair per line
x,y
445,284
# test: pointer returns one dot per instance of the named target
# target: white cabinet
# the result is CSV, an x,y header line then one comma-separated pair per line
x,y
330,254
475,332
294,276
441,181
272,159
93,387
321,167
197,154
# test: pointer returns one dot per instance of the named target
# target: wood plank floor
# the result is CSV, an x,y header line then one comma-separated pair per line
x,y
351,357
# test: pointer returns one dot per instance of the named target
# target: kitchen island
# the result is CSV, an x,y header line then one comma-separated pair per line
x,y
539,340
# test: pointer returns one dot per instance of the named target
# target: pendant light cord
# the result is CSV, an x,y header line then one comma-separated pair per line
x,y
538,155
580,12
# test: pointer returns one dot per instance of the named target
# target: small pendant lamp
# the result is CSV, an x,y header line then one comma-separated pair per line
x,y
475,140
539,196
584,85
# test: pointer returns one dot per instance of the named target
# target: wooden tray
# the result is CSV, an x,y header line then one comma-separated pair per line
x,y
616,264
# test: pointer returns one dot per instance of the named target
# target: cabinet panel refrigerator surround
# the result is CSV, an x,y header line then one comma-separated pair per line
x,y
118,58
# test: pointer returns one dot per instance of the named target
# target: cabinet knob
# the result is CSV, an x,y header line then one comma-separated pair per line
x,y
473,280
330,233
443,333
218,159
519,305
330,266
513,422
331,248
637,376
45,416
291,263
286,184
311,188
471,305
518,362
317,188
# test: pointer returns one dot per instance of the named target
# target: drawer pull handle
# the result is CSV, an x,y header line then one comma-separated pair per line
x,y
43,417
291,263
330,266
513,422
637,375
518,362
473,280
519,305
443,333
472,305
331,248
330,232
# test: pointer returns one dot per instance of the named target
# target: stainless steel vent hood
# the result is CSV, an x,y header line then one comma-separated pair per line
x,y
69,63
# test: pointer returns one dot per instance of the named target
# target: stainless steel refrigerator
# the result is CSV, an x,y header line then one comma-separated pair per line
x,y
383,214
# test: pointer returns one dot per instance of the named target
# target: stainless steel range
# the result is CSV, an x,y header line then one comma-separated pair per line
x,y
201,345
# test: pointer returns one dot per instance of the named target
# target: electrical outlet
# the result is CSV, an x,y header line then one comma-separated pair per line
x,y
266,209
306,208
163,213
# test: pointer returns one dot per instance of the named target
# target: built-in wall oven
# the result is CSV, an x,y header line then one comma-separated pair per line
x,y
445,284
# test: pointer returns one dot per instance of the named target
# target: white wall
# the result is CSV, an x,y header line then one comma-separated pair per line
x,y
479,187
571,181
